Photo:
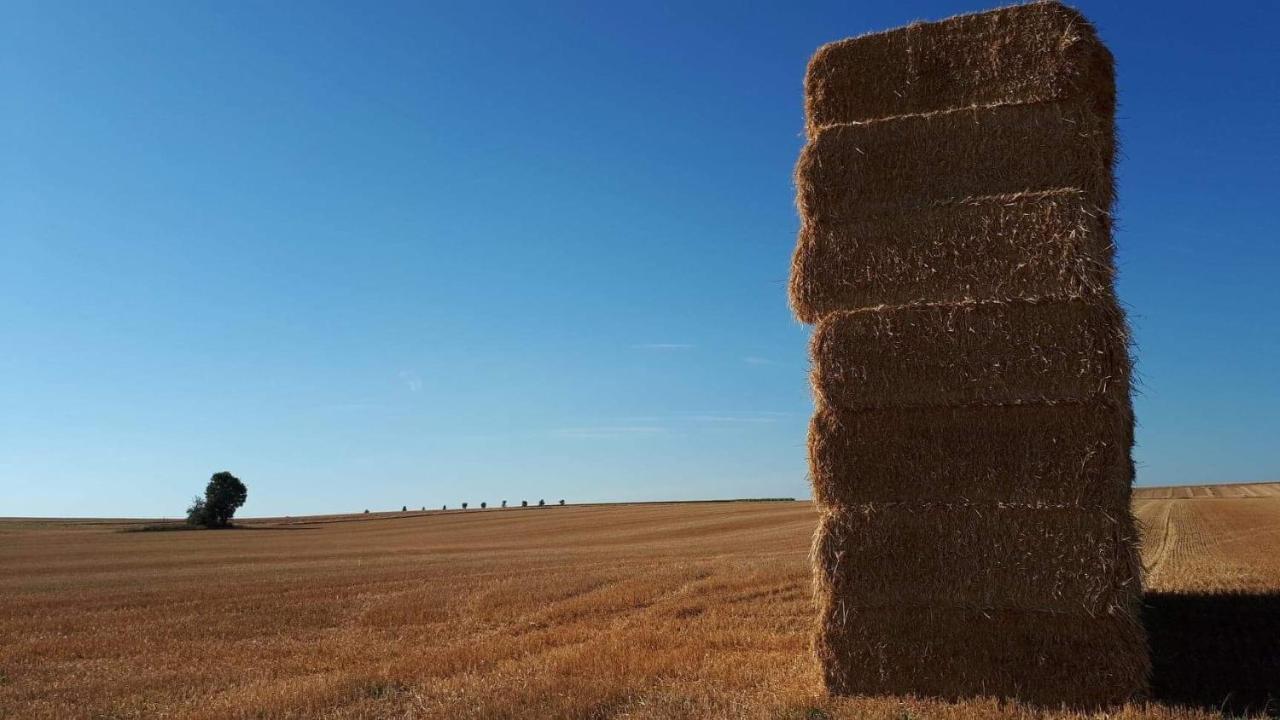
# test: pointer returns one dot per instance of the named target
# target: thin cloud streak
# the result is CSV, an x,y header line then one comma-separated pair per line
x,y
662,346
609,432
762,416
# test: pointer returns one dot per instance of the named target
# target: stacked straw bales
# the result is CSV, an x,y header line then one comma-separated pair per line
x,y
971,444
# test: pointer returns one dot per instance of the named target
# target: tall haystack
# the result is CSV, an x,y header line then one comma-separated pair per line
x,y
971,444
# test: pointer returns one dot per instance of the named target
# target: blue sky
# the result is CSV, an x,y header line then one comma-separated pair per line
x,y
401,254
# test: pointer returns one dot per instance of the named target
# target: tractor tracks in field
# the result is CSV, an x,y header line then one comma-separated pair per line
x,y
1163,549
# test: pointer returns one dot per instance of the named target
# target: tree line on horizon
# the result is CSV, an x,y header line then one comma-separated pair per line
x,y
483,506
225,493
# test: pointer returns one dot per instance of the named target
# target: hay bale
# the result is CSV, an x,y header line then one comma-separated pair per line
x,y
1044,558
971,445
1045,658
1053,245
1021,54
1076,454
913,161
971,354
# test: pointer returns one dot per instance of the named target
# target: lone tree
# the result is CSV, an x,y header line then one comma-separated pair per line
x,y
562,502
484,505
464,506
222,497
404,508
524,503
504,503
542,503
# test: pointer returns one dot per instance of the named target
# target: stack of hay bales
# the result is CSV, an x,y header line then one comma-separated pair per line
x,y
971,443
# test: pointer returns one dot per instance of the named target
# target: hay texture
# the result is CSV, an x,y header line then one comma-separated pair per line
x,y
1070,455
1022,54
971,448
1050,245
971,354
909,162
1038,558
1046,658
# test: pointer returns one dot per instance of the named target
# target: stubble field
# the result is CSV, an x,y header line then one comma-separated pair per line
x,y
629,611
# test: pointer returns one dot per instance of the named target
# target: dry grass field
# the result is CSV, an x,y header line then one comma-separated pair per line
x,y
643,611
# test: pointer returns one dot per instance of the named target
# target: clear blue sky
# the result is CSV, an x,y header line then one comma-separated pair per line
x,y
383,254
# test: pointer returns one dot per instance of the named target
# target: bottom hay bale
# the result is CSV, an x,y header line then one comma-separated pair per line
x,y
1074,454
1042,658
1065,560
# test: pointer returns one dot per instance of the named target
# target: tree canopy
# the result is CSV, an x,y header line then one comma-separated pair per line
x,y
222,497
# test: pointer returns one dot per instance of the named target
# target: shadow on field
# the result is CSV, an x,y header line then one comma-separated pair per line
x,y
1216,651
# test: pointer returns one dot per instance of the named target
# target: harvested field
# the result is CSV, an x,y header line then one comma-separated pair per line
x,y
1226,490
644,611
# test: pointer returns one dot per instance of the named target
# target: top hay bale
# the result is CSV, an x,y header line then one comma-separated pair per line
x,y
1022,54
948,162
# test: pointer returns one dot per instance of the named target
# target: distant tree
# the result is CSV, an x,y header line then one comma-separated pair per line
x,y
464,506
483,505
404,508
222,497
504,503
562,502
524,503
366,511
424,508
444,507
541,503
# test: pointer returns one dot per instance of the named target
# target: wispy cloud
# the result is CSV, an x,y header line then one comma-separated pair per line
x,y
662,346
411,380
598,432
352,406
757,360
754,417
639,427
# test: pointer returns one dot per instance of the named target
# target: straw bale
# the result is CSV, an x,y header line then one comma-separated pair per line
x,y
1073,454
913,161
971,354
988,556
1043,658
1020,54
971,446
1043,245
